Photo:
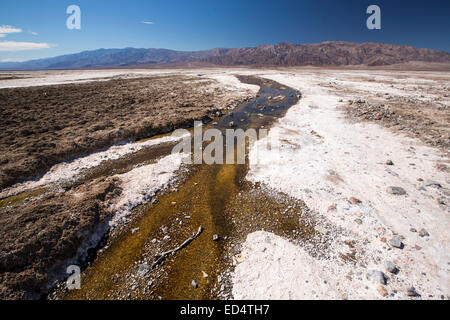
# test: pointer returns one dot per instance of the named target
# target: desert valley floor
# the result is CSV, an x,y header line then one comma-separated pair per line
x,y
354,203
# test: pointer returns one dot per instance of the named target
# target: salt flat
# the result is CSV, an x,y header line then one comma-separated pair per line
x,y
339,169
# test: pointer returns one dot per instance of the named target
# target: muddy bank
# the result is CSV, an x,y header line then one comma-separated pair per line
x,y
40,236
44,125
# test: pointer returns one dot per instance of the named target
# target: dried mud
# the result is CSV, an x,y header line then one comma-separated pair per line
x,y
41,126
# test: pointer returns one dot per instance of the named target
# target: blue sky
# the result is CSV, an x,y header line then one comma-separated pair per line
x,y
206,24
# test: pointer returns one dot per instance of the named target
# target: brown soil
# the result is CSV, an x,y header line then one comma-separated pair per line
x,y
41,126
423,120
39,236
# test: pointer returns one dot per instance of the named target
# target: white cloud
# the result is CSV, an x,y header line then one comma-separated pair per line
x,y
147,22
19,46
34,33
9,29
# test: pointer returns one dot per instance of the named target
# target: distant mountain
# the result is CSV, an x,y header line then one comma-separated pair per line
x,y
327,54
331,53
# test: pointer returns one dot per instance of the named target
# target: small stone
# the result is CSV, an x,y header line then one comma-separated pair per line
x,y
194,284
423,233
215,237
133,231
173,203
430,183
205,275
354,200
411,292
358,221
165,229
143,269
377,276
398,191
389,163
413,230
332,208
150,283
231,124
391,267
382,290
396,243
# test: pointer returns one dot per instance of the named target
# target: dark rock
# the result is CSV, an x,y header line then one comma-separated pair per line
x,y
411,292
377,276
391,267
396,242
398,191
423,233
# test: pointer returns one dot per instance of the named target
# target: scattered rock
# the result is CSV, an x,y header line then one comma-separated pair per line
x,y
377,276
215,237
150,283
430,183
332,208
165,229
231,124
143,269
354,200
389,163
205,275
391,267
411,292
423,233
382,290
358,221
194,284
133,231
398,191
396,243
413,230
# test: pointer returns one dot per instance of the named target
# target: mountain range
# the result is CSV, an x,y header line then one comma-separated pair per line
x,y
330,53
